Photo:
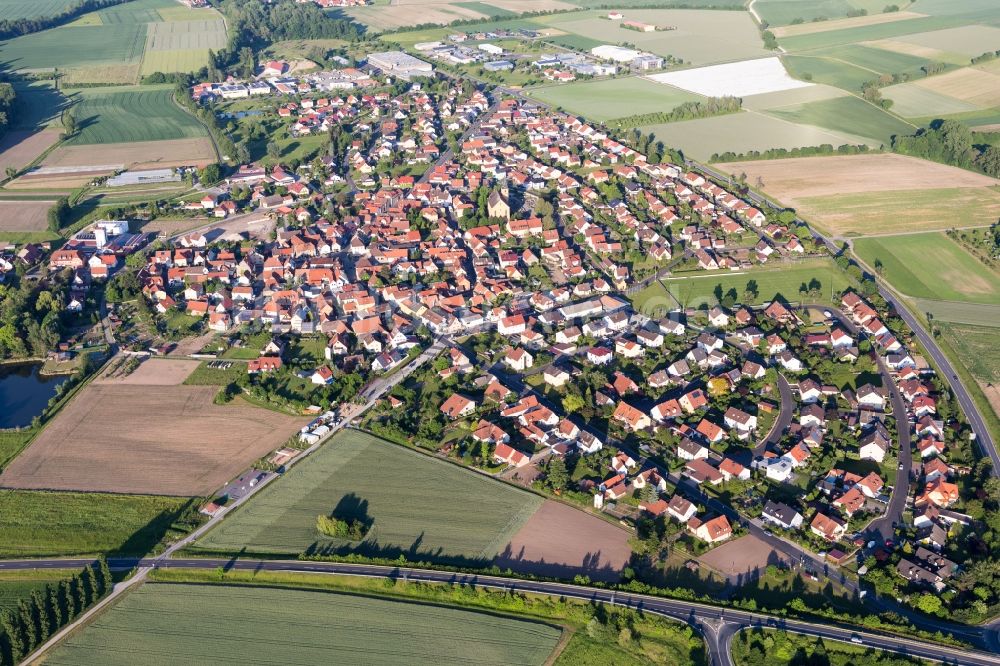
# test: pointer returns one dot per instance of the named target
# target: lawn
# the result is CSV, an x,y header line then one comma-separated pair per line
x,y
48,524
850,115
613,98
203,375
120,115
698,289
415,504
264,625
931,265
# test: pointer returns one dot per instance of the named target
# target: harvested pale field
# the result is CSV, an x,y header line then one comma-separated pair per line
x,y
59,178
138,154
992,394
912,101
191,345
842,24
791,180
926,210
161,440
19,148
382,18
24,215
561,541
167,227
972,40
918,51
154,372
746,555
968,84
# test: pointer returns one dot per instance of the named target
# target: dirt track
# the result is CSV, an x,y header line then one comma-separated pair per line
x,y
559,540
160,440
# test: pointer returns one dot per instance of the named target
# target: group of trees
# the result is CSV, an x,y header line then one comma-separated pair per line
x,y
779,153
349,530
31,316
714,106
950,142
59,214
10,28
6,106
46,611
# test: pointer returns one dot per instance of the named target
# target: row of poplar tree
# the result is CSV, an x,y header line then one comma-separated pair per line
x,y
46,611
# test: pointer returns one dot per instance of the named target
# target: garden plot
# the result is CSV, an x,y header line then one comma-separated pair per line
x,y
737,79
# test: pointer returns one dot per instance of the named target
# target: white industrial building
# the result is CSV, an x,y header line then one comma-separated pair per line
x,y
615,53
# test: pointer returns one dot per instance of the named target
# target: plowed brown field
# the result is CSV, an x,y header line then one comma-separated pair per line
x,y
157,440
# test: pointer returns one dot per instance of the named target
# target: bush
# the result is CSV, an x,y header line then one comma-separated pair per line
x,y
353,530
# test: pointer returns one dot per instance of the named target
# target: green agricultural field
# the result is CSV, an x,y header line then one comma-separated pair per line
x,y
263,625
17,585
960,312
970,40
850,115
976,347
487,9
743,132
184,60
818,69
783,281
179,35
701,36
417,505
119,115
614,98
783,12
44,524
18,9
876,61
891,30
931,266
73,46
912,101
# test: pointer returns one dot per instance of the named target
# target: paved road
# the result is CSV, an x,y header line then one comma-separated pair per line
x,y
983,437
784,420
884,527
719,624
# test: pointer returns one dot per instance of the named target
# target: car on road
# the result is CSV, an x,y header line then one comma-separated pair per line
x,y
769,533
857,639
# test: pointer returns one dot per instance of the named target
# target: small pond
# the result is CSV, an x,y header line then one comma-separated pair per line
x,y
24,393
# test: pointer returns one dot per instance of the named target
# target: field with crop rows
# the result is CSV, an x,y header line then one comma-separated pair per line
x,y
416,504
18,9
742,132
183,444
614,98
17,585
931,265
976,346
130,114
46,524
850,115
259,625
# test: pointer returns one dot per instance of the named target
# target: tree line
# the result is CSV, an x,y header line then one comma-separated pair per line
x,y
950,142
41,615
779,153
7,96
10,28
714,106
